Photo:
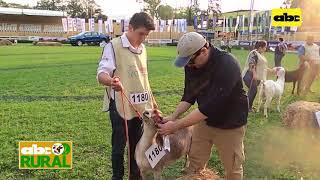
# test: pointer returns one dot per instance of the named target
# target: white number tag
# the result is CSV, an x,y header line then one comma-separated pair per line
x,y
139,98
154,154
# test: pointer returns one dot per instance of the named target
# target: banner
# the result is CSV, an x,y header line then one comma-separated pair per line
x,y
162,25
70,24
251,16
124,25
227,25
202,19
169,25
195,22
237,24
83,25
243,20
100,25
108,25
78,24
224,24
74,24
251,22
65,24
175,25
214,22
91,24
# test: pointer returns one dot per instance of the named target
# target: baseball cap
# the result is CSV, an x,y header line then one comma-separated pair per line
x,y
188,44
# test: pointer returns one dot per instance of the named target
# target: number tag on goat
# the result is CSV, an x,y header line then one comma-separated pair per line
x,y
154,154
139,98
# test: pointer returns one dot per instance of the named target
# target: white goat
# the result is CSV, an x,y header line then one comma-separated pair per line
x,y
270,89
179,146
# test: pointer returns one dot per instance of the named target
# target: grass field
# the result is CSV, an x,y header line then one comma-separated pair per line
x,y
51,93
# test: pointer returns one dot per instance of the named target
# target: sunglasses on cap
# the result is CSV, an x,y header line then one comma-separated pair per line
x,y
196,54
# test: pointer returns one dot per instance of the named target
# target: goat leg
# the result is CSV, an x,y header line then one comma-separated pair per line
x,y
299,86
266,105
294,86
278,106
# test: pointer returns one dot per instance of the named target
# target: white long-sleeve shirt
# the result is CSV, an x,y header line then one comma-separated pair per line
x,y
107,62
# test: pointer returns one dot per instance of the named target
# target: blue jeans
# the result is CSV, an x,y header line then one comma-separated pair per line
x,y
252,86
277,60
119,142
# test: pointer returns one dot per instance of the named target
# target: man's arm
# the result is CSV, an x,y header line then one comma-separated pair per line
x,y
182,107
106,66
193,118
104,79
170,127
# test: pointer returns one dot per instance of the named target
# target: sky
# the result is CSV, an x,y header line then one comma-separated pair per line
x,y
125,8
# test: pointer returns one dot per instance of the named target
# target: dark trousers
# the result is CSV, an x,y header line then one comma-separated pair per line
x,y
119,142
252,86
277,60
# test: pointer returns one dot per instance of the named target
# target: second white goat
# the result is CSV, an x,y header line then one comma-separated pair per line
x,y
270,89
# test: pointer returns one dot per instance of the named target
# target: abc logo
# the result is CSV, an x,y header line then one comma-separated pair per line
x,y
286,17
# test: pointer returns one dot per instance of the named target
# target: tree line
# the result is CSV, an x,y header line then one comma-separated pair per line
x,y
90,9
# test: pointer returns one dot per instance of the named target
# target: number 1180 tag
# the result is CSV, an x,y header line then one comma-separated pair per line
x,y
154,154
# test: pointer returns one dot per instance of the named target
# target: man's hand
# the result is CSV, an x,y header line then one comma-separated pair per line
x,y
116,84
168,127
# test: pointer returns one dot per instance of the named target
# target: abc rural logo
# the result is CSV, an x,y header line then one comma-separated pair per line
x,y
286,17
45,155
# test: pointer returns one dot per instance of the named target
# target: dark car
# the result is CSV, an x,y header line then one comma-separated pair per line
x,y
88,38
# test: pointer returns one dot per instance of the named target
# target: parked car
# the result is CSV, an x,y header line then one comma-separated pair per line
x,y
90,38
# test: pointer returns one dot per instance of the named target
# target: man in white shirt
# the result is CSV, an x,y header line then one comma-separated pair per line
x,y
310,52
125,58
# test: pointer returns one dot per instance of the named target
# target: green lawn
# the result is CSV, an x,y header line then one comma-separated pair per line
x,y
51,93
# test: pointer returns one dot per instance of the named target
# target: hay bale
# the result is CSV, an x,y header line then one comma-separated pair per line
x,y
48,44
206,174
5,42
301,114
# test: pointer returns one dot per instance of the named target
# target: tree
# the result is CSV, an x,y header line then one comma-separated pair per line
x,y
85,9
215,9
75,9
100,15
191,11
165,12
14,5
151,7
55,5
90,7
3,4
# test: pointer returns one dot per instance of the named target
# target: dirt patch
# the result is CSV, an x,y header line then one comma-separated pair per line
x,y
206,174
47,43
5,42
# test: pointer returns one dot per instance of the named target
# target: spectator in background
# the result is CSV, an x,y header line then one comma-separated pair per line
x,y
225,44
310,52
255,70
279,52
